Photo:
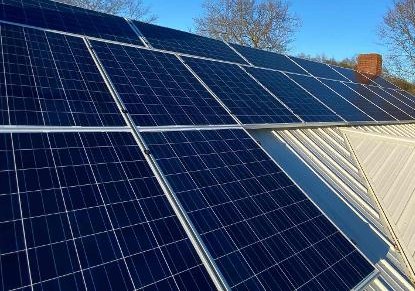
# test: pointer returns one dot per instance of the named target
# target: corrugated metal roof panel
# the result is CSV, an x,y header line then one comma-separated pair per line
x,y
389,165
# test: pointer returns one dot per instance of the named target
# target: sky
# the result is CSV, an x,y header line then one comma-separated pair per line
x,y
336,28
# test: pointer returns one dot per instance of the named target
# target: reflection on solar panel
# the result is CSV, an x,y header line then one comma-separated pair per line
x,y
51,79
92,217
319,69
342,107
62,17
267,59
358,100
240,93
187,43
299,101
383,83
260,229
157,89
379,101
397,101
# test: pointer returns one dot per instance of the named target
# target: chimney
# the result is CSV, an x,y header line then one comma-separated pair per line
x,y
369,65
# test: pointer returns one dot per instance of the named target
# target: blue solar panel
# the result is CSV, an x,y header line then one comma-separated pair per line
x,y
260,229
365,105
88,214
382,82
187,43
266,59
397,101
244,97
340,105
320,70
51,79
407,98
62,17
380,102
353,75
296,98
157,89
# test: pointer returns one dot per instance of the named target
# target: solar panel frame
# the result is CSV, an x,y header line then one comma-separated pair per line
x,y
247,100
169,39
302,103
51,79
157,89
188,158
62,17
90,198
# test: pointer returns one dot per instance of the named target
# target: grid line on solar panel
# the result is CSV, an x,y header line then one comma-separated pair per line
x,y
385,104
260,229
187,43
396,100
340,105
240,93
266,59
365,105
157,89
58,16
317,69
51,79
407,98
293,96
95,217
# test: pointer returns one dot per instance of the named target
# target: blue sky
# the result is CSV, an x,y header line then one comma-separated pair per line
x,y
337,28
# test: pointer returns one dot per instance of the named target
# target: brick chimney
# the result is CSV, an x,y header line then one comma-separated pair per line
x,y
369,65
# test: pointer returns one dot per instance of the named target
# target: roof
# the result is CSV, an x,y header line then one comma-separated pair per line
x,y
126,162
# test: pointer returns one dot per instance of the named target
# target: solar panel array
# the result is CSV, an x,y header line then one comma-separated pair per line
x,y
117,172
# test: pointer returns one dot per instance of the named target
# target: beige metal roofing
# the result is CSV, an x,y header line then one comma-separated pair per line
x,y
389,165
327,151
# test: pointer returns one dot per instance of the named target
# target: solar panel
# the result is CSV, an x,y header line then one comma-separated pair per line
x,y
62,17
296,98
260,229
358,100
379,101
268,59
340,105
382,82
157,89
407,98
187,43
51,79
88,214
240,93
317,69
397,101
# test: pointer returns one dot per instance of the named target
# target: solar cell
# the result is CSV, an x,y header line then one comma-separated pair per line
x,y
359,101
240,93
157,89
331,99
397,100
268,59
296,98
187,43
88,214
260,229
317,69
58,16
51,79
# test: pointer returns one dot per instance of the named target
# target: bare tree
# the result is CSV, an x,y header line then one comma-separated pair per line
x,y
266,24
398,33
134,9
